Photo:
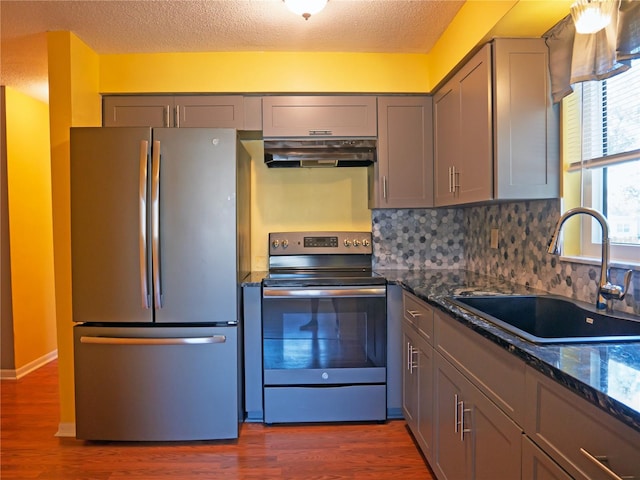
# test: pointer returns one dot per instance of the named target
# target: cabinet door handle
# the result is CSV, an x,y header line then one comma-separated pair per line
x,y
456,424
450,182
601,462
456,180
177,119
409,353
167,115
414,313
413,365
384,187
462,429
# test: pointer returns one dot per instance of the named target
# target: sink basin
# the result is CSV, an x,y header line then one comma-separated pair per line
x,y
549,319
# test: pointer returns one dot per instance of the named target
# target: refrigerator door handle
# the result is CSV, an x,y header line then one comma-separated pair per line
x,y
155,223
153,341
142,234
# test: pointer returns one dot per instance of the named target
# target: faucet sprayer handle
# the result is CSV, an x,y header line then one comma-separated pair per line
x,y
617,292
626,282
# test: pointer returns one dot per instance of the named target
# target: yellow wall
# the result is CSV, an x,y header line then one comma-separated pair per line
x,y
30,227
74,101
248,72
285,199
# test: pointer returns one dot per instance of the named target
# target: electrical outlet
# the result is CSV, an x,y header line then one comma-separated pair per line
x,y
494,238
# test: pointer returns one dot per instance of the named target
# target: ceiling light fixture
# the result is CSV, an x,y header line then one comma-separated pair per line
x,y
306,8
591,16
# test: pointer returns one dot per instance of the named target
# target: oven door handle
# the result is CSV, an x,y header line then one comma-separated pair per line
x,y
323,292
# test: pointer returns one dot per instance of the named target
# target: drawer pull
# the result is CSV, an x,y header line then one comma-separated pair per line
x,y
601,462
414,313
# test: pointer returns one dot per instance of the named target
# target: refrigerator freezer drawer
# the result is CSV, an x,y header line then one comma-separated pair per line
x,y
156,384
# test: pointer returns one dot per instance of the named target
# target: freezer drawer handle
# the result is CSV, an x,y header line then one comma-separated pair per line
x,y
153,341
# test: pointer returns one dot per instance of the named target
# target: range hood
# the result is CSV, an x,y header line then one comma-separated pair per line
x,y
334,152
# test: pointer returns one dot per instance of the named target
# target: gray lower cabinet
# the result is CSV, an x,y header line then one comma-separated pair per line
x,y
403,175
537,465
481,413
216,111
417,382
584,440
474,438
252,352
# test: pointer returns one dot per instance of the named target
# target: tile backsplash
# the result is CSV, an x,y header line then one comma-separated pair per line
x,y
460,238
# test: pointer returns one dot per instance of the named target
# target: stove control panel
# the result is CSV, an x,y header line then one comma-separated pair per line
x,y
313,243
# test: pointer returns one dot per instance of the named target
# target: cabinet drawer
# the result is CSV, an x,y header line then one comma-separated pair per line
x,y
581,438
319,116
419,314
499,374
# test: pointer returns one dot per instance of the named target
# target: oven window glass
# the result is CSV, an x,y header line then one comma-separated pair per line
x,y
323,333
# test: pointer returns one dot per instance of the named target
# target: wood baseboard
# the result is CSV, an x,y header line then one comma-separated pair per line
x,y
15,374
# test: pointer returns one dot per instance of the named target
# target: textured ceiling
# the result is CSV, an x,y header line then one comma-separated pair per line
x,y
131,26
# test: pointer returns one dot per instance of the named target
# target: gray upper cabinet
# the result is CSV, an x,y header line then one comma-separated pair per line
x,y
319,116
403,175
215,111
463,134
496,130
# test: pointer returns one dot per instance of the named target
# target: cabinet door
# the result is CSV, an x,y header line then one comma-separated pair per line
x,y
496,441
319,116
473,177
537,465
404,171
446,126
424,431
526,123
215,111
450,459
138,111
252,328
409,379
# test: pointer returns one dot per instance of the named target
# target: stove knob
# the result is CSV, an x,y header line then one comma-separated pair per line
x,y
356,243
347,243
285,243
365,243
275,244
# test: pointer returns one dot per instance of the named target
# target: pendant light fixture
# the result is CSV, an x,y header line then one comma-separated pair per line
x,y
591,16
306,8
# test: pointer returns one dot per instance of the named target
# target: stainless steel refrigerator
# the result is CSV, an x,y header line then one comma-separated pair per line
x,y
160,240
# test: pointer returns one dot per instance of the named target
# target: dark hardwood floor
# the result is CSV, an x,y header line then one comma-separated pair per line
x,y
29,450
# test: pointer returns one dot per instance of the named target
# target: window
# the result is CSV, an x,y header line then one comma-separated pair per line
x,y
602,147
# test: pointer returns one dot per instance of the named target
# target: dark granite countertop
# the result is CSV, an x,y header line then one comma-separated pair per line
x,y
605,374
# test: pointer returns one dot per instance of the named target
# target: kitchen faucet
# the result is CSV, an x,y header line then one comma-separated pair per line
x,y
607,292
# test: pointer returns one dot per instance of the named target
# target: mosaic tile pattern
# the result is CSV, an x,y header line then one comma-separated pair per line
x,y
418,238
521,256
460,238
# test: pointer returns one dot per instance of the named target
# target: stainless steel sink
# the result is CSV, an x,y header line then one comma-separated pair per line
x,y
549,319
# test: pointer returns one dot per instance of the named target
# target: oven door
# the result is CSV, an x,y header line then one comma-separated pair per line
x,y
324,353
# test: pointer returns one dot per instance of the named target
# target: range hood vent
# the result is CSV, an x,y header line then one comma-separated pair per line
x,y
335,152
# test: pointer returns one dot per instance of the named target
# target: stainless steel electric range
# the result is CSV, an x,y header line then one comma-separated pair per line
x,y
324,329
